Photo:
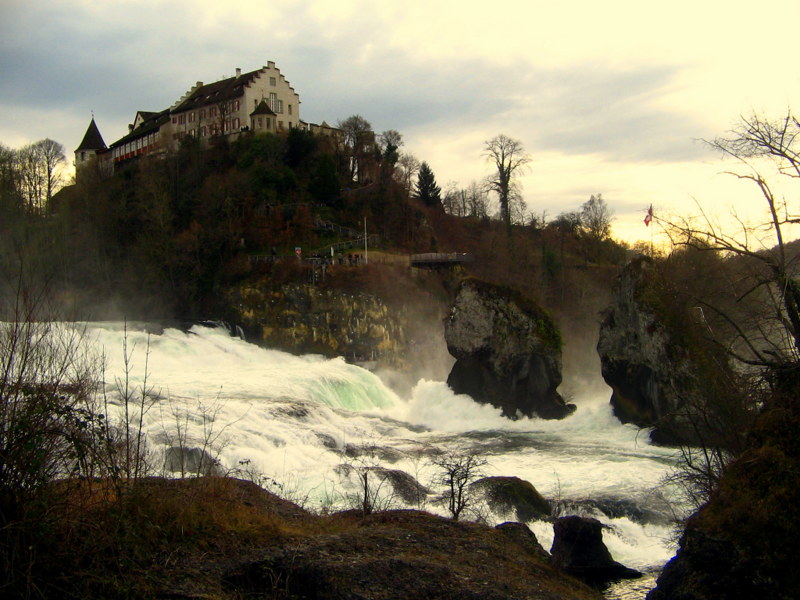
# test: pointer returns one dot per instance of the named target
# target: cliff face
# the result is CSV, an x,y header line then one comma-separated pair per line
x,y
744,542
507,350
647,361
307,319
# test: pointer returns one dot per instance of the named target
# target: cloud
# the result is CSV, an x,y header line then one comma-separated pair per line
x,y
119,57
601,95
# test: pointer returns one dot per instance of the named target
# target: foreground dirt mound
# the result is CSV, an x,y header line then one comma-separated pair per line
x,y
222,538
406,554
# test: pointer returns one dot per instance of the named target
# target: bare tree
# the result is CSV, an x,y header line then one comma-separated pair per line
x,y
773,340
10,193
38,172
757,323
408,167
358,140
31,181
51,155
471,201
510,160
389,143
596,217
456,472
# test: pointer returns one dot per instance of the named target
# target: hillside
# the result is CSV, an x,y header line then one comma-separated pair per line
x,y
226,539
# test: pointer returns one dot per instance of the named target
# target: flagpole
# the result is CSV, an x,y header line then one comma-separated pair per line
x,y
647,220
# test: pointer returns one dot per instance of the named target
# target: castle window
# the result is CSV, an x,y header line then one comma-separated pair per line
x,y
273,82
275,104
290,109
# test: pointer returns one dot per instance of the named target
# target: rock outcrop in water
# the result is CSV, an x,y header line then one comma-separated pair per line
x,y
506,495
649,361
578,548
507,350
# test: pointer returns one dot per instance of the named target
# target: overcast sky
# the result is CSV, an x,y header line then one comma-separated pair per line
x,y
607,97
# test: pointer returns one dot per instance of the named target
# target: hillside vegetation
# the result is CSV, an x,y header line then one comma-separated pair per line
x,y
165,237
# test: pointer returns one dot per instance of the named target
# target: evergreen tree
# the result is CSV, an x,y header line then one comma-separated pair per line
x,y
427,191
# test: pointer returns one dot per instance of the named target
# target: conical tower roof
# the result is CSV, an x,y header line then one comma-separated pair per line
x,y
92,140
263,109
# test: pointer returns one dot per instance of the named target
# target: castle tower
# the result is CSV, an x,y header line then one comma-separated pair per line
x,y
91,146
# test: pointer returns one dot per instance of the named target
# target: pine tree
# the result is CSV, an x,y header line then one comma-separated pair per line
x,y
427,191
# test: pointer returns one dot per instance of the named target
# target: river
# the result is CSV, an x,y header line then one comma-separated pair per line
x,y
291,422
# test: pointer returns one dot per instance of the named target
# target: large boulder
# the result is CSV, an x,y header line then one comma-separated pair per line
x,y
511,494
507,351
652,358
578,548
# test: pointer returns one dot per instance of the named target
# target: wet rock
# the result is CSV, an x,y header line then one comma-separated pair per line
x,y
522,535
578,548
637,510
512,494
651,368
410,491
507,351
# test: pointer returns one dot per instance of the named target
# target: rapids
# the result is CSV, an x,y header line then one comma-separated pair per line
x,y
292,422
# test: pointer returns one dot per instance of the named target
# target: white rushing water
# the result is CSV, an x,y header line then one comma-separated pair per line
x,y
294,420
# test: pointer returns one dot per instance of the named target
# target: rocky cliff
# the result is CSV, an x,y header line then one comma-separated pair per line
x,y
653,359
507,350
308,319
744,542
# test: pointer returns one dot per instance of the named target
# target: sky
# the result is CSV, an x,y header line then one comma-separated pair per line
x,y
610,98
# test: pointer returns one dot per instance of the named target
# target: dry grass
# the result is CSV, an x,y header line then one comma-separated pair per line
x,y
224,538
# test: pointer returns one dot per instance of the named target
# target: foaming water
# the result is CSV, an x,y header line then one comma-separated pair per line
x,y
298,419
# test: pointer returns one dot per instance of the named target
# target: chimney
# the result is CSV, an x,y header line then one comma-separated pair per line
x,y
238,72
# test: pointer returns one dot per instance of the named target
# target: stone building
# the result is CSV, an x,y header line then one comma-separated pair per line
x,y
262,101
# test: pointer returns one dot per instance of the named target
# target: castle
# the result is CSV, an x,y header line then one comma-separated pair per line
x,y
261,101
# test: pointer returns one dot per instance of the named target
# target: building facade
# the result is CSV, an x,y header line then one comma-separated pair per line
x,y
261,101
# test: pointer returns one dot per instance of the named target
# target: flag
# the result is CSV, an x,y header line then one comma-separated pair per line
x,y
649,216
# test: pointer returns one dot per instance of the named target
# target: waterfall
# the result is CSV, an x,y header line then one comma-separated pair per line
x,y
295,420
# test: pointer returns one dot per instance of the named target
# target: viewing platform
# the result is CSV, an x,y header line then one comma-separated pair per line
x,y
440,260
